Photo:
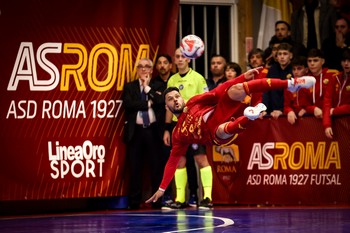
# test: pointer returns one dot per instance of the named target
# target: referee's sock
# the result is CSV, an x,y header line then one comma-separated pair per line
x,y
207,181
181,182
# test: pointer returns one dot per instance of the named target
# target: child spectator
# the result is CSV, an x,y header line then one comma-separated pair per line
x,y
295,103
232,70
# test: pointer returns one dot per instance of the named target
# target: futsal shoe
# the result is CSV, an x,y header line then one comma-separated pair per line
x,y
205,204
253,113
178,205
167,205
193,201
303,82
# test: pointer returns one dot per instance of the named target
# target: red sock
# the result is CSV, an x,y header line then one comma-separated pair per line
x,y
264,84
232,126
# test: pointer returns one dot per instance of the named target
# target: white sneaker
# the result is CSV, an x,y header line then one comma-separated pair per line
x,y
253,113
302,82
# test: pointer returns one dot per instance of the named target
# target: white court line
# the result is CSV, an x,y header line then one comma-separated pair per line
x,y
226,221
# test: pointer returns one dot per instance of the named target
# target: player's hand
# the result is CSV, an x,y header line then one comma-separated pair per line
x,y
329,132
250,74
155,196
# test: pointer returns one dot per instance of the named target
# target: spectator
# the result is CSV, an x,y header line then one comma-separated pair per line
x,y
332,46
283,70
159,83
283,35
295,103
337,96
255,58
313,23
217,69
315,61
141,132
232,70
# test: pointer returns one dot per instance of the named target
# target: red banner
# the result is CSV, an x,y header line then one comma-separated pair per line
x,y
63,67
274,162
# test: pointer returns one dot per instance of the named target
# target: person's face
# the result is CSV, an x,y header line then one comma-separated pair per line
x,y
315,64
281,31
217,66
163,66
144,69
346,66
174,102
274,51
342,27
230,73
299,71
180,60
256,60
284,57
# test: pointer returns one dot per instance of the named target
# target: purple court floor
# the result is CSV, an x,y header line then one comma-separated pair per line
x,y
220,219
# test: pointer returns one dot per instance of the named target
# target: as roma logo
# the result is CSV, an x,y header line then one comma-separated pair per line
x,y
226,162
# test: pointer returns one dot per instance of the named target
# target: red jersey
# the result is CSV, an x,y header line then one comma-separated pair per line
x,y
337,96
296,101
316,96
199,121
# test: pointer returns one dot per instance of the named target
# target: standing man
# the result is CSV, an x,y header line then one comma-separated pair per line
x,y
164,67
141,135
217,69
190,83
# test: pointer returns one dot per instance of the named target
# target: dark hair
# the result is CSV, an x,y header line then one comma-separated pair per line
x,y
345,19
235,66
217,55
285,46
170,89
167,56
255,51
283,22
315,53
345,55
299,61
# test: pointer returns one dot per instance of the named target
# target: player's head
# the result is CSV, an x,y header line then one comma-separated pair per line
x,y
173,100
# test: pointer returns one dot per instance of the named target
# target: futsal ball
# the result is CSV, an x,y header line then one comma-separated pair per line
x,y
192,46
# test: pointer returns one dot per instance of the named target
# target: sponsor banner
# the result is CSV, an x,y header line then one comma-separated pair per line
x,y
63,68
274,162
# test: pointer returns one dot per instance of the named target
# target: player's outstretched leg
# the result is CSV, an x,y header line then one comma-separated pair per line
x,y
253,113
267,84
302,82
